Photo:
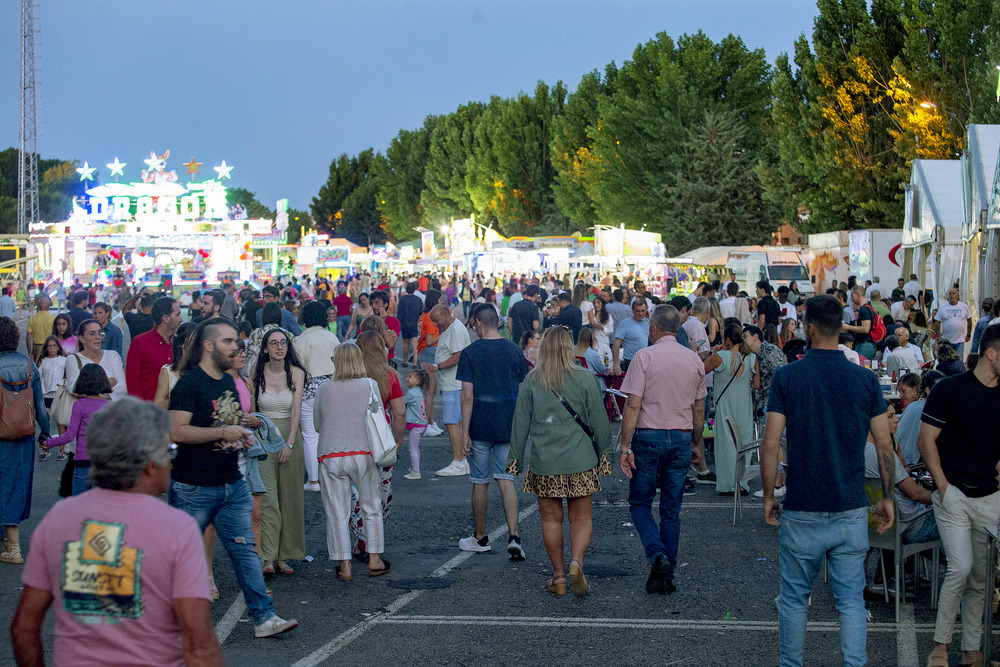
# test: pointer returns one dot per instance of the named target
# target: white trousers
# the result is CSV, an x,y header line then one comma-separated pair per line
x,y
336,475
962,522
310,438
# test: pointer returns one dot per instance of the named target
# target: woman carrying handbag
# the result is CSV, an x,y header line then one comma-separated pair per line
x,y
345,457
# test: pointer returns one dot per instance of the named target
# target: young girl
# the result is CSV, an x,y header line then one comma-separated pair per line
x,y
94,389
52,369
416,421
62,329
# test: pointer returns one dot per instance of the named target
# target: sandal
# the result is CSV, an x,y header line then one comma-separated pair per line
x,y
556,588
938,657
284,568
11,554
577,579
268,569
213,590
342,576
386,565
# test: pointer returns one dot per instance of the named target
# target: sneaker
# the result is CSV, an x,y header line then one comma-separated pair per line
x,y
472,544
412,475
779,492
706,477
43,454
879,588
690,488
433,430
274,626
454,469
311,486
61,456
515,549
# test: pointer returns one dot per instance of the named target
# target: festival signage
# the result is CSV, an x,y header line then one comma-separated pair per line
x,y
229,276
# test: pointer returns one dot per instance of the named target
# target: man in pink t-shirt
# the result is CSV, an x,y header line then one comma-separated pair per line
x,y
124,571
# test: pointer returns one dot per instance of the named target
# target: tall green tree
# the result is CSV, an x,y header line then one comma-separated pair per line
x,y
510,173
346,204
717,194
401,181
571,154
636,154
452,144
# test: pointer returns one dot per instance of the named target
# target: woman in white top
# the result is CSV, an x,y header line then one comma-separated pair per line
x,y
603,325
52,372
170,373
90,336
278,382
581,301
314,347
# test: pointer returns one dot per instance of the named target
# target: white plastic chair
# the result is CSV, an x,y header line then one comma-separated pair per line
x,y
745,469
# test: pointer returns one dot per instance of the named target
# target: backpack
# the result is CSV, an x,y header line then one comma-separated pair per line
x,y
877,331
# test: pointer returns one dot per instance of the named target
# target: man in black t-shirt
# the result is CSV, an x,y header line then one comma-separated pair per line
x,y
524,315
768,310
139,323
408,311
491,370
569,316
207,424
961,447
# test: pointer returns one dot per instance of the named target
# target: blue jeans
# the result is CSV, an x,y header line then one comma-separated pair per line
x,y
81,480
343,321
804,538
486,458
228,508
662,460
960,348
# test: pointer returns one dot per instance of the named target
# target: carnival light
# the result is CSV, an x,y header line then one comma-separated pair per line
x,y
116,167
86,172
155,163
223,170
193,166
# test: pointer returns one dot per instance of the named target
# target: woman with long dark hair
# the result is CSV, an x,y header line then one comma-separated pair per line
x,y
736,373
62,328
278,380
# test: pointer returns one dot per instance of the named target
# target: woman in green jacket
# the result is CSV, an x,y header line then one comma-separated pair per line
x,y
567,452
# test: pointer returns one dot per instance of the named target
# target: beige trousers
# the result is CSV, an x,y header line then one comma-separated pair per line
x,y
335,477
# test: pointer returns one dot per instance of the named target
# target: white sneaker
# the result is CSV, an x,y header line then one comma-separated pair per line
x,y
779,492
311,486
274,626
465,467
412,475
472,544
433,430
454,469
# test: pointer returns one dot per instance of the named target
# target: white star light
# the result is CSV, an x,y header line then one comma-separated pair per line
x,y
155,163
86,172
223,170
116,167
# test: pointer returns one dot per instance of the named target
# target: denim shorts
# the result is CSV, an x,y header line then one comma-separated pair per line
x,y
484,454
452,401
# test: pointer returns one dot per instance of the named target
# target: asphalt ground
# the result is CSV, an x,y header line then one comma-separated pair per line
x,y
440,605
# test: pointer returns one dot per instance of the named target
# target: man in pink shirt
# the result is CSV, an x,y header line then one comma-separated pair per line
x,y
665,383
125,570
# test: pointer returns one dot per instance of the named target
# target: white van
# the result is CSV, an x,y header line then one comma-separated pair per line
x,y
778,267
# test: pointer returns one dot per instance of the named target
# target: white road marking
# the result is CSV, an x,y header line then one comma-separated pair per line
x,y
633,623
906,638
343,639
229,621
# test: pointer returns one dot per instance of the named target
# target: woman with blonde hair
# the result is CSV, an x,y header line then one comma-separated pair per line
x,y
559,406
346,461
586,307
376,362
736,373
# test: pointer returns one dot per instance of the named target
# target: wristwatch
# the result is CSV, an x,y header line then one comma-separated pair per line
x,y
626,452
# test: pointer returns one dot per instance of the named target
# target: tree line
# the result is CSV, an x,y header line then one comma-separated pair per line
x,y
705,142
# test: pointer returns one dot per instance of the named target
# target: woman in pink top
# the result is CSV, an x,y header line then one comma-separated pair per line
x,y
345,458
62,328
94,388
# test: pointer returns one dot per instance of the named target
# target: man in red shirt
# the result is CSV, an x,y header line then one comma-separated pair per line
x,y
345,307
380,302
148,352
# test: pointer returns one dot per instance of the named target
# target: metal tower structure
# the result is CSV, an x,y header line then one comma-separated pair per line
x,y
27,177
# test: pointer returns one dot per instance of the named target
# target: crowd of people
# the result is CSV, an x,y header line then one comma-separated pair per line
x,y
263,396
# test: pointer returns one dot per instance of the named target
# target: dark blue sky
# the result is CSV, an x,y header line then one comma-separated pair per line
x,y
278,89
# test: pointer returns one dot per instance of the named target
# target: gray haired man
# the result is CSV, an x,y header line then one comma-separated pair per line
x,y
118,554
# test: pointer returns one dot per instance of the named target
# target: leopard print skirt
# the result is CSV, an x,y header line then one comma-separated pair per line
x,y
575,485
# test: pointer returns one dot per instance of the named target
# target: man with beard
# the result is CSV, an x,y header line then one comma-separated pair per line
x,y
205,422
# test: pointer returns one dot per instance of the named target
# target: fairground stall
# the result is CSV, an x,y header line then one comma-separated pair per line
x,y
154,230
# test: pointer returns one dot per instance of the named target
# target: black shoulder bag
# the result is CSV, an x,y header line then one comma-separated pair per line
x,y
576,418
716,399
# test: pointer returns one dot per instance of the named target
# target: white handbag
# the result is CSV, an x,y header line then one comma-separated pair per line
x,y
380,438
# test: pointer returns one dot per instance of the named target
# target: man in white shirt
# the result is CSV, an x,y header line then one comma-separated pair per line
x,y
904,342
901,309
876,285
734,306
454,338
694,326
899,360
787,307
953,322
846,345
912,288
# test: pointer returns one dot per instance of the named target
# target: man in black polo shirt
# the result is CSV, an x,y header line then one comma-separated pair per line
x,y
826,423
205,422
524,315
569,316
961,446
768,310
